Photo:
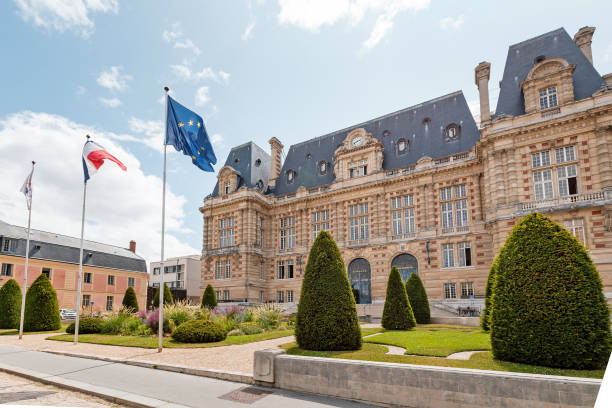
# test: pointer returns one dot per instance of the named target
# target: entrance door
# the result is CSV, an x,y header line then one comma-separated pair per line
x,y
360,278
406,264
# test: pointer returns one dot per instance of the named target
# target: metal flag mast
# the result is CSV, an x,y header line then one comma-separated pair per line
x,y
25,272
77,305
160,306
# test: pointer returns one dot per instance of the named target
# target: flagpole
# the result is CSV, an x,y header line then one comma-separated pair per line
x,y
25,272
77,306
160,328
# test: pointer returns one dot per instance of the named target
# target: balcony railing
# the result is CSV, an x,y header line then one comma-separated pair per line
x,y
559,201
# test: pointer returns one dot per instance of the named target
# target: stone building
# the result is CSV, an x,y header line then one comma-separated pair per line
x,y
425,188
183,272
107,270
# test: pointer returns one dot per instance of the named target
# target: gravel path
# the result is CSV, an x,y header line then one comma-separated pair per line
x,y
238,358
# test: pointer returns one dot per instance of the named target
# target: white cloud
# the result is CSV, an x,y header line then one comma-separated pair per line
x,y
62,15
452,23
225,76
121,205
113,79
217,140
314,14
152,131
202,96
184,72
248,31
110,102
175,36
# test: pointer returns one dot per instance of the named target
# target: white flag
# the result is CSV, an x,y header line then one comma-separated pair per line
x,y
26,189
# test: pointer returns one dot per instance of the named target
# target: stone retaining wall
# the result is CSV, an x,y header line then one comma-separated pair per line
x,y
420,386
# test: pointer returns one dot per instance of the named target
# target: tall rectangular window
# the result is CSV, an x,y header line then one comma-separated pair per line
x,y
9,245
548,97
261,296
109,303
290,296
567,178
543,184
155,272
87,277
111,280
565,154
402,218
446,194
227,187
450,291
131,282
287,232
409,221
281,270
86,300
261,271
447,215
320,222
226,295
280,296
448,256
359,227
47,272
261,232
460,191
396,221
228,271
226,232
540,159
218,294
219,271
467,290
576,227
465,253
290,269
461,212
7,269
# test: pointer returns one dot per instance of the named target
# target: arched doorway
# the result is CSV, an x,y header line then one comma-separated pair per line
x,y
360,278
406,264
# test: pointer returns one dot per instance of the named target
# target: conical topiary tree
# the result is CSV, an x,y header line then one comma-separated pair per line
x,y
548,306
209,298
167,297
397,313
327,315
41,307
485,318
10,305
130,300
417,296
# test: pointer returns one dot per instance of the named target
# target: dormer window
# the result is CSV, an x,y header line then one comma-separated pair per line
x,y
322,167
290,176
257,162
451,133
386,133
548,97
402,146
226,188
426,121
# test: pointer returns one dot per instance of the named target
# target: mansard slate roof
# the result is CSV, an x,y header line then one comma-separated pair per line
x,y
407,123
62,248
521,59
243,159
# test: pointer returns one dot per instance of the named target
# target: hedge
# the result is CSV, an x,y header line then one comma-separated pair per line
x,y
87,325
327,315
167,297
397,312
485,318
548,306
209,298
417,296
130,300
41,308
199,331
10,305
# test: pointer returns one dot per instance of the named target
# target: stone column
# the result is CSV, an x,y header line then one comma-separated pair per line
x,y
481,78
603,140
583,40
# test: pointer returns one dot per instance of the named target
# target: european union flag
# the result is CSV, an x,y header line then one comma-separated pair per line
x,y
185,131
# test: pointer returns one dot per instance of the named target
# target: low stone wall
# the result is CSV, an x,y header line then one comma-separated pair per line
x,y
420,386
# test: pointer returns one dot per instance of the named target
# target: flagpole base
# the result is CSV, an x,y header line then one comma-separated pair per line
x,y
159,349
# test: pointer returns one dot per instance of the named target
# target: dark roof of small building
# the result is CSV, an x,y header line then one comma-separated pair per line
x,y
252,164
521,59
422,126
62,248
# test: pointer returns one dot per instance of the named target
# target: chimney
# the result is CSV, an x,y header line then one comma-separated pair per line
x,y
276,148
583,40
133,246
481,77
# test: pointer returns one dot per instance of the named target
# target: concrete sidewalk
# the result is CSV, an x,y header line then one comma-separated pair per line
x,y
138,386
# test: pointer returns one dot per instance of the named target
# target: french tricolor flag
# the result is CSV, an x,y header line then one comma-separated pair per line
x,y
93,158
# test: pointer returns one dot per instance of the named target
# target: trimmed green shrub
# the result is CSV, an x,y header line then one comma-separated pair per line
x,y
87,325
548,303
199,331
130,301
250,328
41,308
397,313
417,296
167,296
10,305
209,298
327,315
485,318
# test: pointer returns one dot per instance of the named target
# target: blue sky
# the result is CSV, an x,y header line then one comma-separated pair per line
x,y
252,69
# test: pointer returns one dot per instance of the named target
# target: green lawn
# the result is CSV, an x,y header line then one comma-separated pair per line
x,y
14,332
151,341
482,361
435,340
370,330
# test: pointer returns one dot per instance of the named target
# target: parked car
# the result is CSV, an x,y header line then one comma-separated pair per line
x,y
67,314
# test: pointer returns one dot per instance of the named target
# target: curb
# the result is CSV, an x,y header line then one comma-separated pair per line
x,y
117,397
210,373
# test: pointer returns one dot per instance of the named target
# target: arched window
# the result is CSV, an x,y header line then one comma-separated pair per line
x,y
360,278
452,132
260,185
401,146
257,162
322,167
290,176
406,264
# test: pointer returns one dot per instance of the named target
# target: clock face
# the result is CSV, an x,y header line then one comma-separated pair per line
x,y
357,141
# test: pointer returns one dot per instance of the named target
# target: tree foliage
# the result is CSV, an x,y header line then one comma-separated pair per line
x,y
548,306
167,297
41,307
130,300
417,296
10,305
397,313
209,298
327,315
485,318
